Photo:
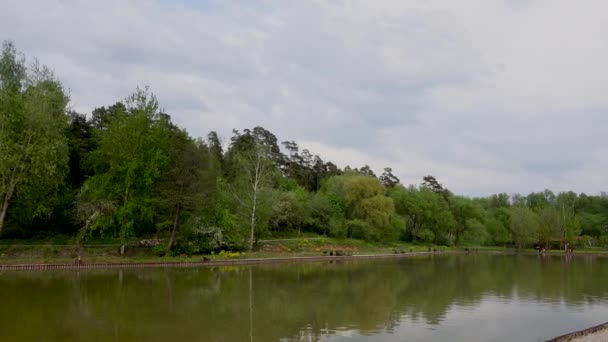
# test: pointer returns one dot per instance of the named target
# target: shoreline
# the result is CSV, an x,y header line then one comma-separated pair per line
x,y
594,334
224,262
204,261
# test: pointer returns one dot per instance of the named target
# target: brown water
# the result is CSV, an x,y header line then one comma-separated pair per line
x,y
440,298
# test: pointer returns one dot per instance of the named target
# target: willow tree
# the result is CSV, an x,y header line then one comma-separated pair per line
x,y
33,146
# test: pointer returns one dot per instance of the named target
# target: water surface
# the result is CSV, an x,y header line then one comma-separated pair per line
x,y
440,298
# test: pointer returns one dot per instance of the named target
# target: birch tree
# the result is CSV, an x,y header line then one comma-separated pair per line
x,y
33,147
251,186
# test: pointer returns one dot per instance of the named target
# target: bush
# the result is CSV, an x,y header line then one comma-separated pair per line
x,y
204,239
360,229
199,237
160,249
230,255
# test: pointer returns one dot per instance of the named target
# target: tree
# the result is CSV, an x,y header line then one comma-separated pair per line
x,y
80,141
132,152
538,200
427,215
388,179
289,211
432,184
367,171
33,147
569,225
216,150
102,116
365,201
524,226
184,180
253,173
557,220
464,210
306,169
498,233
475,233
360,208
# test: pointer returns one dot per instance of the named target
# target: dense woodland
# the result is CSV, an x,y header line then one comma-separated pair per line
x,y
127,172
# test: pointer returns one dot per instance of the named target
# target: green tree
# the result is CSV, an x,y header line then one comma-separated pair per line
x,y
388,178
253,173
216,150
432,184
365,201
498,233
464,210
475,234
131,154
524,226
427,215
360,207
33,147
186,178
289,211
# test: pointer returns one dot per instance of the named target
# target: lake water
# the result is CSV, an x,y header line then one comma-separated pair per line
x,y
437,298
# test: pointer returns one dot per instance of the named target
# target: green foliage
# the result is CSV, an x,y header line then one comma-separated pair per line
x,y
252,157
319,214
360,207
202,239
426,213
498,232
289,211
524,226
475,234
593,224
132,151
464,210
33,145
424,235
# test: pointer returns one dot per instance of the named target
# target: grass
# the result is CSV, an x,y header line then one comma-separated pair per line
x,y
59,251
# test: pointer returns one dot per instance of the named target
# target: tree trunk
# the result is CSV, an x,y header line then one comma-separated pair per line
x,y
252,228
173,230
3,213
123,233
5,202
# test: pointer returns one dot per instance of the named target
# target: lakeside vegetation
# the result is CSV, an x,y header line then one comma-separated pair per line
x,y
126,172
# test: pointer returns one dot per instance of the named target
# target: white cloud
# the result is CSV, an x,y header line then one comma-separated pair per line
x,y
486,95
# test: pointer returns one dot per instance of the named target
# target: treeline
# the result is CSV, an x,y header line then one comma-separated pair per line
x,y
127,171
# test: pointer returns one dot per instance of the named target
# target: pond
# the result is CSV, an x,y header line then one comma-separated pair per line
x,y
473,297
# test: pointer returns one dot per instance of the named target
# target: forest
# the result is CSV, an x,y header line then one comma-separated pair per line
x,y
126,171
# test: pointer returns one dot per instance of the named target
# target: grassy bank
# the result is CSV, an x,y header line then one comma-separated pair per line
x,y
59,251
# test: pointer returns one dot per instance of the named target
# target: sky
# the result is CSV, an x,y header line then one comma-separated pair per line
x,y
488,96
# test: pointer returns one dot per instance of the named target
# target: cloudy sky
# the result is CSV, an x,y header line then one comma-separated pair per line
x,y
487,95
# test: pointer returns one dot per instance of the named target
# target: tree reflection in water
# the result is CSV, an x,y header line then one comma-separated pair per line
x,y
289,301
